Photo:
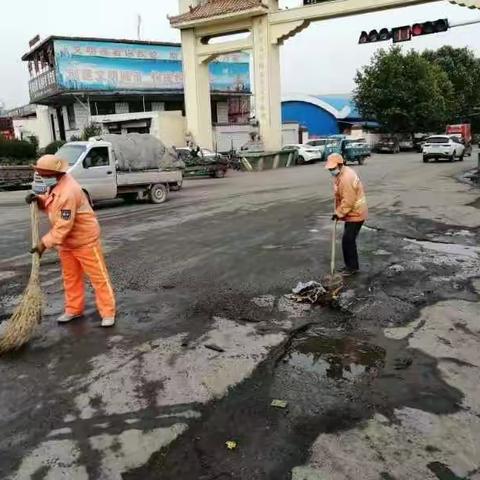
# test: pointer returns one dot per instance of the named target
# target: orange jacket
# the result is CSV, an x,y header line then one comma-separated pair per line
x,y
350,201
74,224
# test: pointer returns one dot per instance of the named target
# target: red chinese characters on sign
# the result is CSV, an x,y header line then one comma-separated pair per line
x,y
168,79
73,74
126,77
137,78
87,74
113,76
100,76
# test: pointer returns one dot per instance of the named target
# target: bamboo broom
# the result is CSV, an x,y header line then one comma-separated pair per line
x,y
27,315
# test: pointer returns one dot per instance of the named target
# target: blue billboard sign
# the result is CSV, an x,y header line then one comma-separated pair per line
x,y
113,66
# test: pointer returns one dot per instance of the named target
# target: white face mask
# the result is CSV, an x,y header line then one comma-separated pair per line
x,y
335,172
49,182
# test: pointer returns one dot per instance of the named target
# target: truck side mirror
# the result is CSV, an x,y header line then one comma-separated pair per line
x,y
87,162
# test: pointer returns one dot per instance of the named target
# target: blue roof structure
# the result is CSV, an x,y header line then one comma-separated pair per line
x,y
322,115
341,103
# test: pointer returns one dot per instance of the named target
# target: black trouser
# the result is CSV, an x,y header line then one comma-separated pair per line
x,y
349,244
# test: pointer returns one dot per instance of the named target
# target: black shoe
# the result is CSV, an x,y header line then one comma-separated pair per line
x,y
347,272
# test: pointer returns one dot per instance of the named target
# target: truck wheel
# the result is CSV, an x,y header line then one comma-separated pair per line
x,y
451,158
361,160
425,159
219,173
158,193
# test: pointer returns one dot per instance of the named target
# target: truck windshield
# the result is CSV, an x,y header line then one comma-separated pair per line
x,y
71,153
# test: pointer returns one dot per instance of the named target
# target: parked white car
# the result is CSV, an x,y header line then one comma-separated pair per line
x,y
443,146
306,153
318,142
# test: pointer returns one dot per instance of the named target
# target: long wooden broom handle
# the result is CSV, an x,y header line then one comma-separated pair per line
x,y
334,240
34,223
334,248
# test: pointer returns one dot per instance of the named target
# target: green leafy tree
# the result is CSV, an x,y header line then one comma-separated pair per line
x,y
92,130
52,148
404,92
463,70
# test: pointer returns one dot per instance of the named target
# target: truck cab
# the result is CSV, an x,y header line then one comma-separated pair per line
x,y
94,166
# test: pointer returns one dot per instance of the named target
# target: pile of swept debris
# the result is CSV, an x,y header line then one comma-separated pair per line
x,y
316,293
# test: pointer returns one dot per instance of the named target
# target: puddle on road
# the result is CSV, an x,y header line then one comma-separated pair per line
x,y
449,248
337,358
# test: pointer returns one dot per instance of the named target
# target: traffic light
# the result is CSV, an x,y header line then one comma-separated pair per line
x,y
402,34
375,36
427,28
405,33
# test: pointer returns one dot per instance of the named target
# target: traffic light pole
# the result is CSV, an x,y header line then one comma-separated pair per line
x,y
464,24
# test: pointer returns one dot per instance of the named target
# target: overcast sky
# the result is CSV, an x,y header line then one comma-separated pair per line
x,y
322,59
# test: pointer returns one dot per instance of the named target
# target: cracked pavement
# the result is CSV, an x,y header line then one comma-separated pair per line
x,y
383,387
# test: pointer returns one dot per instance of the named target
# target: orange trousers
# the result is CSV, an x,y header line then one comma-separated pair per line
x,y
87,261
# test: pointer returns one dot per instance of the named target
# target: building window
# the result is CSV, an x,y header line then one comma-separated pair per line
x,y
102,108
138,106
158,106
71,117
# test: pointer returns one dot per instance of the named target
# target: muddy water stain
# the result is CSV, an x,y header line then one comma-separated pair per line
x,y
337,358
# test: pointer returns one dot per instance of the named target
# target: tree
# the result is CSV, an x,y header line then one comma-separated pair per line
x,y
91,130
404,92
463,70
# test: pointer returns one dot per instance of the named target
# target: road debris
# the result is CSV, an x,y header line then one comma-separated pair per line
x,y
315,293
215,348
402,363
231,444
309,292
279,404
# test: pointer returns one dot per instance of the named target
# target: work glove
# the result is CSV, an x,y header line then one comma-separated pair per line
x,y
40,249
335,217
31,197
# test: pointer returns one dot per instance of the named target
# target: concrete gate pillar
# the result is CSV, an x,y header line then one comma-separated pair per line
x,y
266,63
197,92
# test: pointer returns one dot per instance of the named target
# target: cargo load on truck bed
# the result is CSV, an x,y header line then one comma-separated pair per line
x,y
138,151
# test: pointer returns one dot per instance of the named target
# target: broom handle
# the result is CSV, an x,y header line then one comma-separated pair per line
x,y
334,248
34,223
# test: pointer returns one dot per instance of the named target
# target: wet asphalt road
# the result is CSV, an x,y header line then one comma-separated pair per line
x,y
386,386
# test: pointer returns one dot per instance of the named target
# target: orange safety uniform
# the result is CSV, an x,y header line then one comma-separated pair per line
x,y
75,233
350,200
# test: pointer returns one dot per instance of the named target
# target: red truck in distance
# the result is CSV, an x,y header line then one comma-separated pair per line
x,y
464,132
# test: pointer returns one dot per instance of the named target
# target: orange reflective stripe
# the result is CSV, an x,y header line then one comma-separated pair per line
x,y
103,269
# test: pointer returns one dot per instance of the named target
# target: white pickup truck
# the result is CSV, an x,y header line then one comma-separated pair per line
x,y
93,165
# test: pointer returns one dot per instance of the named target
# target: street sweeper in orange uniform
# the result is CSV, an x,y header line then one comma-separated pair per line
x,y
75,233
